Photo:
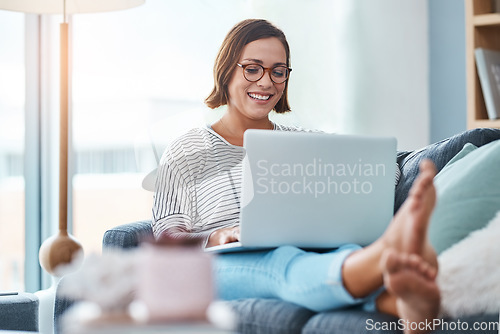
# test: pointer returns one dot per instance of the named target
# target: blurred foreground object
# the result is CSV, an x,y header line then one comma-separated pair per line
x,y
158,284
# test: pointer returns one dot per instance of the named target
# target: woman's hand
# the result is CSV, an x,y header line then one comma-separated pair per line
x,y
224,236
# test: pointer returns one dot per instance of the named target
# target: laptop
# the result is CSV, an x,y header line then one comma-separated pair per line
x,y
314,190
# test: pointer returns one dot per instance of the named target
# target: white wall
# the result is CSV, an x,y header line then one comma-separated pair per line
x,y
381,64
447,81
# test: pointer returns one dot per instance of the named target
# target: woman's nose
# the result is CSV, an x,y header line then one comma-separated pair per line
x,y
265,81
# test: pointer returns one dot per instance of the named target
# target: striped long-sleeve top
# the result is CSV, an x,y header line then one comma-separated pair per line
x,y
198,185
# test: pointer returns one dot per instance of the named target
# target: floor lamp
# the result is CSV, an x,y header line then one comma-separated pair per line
x,y
59,249
62,247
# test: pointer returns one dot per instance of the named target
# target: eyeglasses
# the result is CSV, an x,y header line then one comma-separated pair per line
x,y
255,72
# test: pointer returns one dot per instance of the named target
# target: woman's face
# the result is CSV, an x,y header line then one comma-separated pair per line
x,y
254,100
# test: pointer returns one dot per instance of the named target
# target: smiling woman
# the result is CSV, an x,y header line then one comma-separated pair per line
x,y
211,158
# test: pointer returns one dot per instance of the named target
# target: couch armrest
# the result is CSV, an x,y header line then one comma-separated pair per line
x,y
19,312
127,235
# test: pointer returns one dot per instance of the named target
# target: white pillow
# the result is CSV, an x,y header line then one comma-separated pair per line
x,y
469,273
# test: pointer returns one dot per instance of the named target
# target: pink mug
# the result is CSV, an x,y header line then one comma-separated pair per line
x,y
175,283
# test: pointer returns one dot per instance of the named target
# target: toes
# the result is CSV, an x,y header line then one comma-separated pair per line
x,y
413,261
418,264
427,165
423,181
429,271
420,186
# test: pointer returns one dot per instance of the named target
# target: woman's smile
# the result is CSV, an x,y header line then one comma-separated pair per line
x,y
260,97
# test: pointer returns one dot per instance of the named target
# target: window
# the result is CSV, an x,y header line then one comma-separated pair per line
x,y
12,89
136,87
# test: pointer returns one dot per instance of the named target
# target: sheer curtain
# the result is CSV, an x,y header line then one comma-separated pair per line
x,y
12,149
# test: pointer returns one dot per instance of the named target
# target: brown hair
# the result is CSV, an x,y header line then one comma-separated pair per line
x,y
230,51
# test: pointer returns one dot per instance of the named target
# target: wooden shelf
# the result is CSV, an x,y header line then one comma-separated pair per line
x,y
482,27
485,123
486,20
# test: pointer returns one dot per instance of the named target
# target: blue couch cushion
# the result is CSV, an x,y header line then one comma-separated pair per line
x,y
19,312
350,321
468,191
127,235
357,321
269,316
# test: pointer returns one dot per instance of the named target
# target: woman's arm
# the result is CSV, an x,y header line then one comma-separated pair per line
x,y
174,200
174,206
185,206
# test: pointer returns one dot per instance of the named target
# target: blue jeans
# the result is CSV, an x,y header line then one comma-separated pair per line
x,y
308,279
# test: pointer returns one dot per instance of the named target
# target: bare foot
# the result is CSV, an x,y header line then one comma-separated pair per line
x,y
407,232
413,282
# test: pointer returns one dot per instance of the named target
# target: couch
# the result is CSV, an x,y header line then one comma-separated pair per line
x,y
275,316
19,312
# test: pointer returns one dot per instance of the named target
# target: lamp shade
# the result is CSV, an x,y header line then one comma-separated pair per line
x,y
72,6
